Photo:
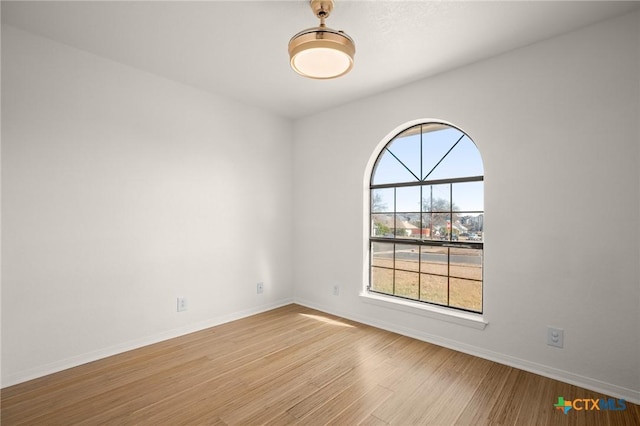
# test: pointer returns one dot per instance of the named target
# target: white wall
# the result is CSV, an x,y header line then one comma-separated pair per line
x,y
557,125
121,191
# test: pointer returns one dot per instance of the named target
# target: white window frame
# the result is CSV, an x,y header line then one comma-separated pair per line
x,y
442,313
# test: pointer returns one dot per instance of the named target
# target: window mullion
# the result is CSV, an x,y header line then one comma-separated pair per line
x,y
448,276
419,247
395,235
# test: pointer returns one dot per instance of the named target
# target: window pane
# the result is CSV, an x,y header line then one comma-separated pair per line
x,y
465,294
435,145
436,226
468,196
390,170
408,199
406,147
406,284
463,161
433,260
382,280
436,198
433,288
471,227
466,263
408,225
382,200
382,225
382,254
407,257
427,229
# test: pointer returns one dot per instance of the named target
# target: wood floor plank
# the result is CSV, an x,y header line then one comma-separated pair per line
x,y
464,384
344,379
425,371
372,420
341,393
282,419
486,396
296,365
362,408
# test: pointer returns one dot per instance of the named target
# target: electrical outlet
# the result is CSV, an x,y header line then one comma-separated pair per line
x,y
336,290
182,304
260,288
555,337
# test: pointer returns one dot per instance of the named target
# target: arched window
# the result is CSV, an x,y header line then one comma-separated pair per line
x,y
426,218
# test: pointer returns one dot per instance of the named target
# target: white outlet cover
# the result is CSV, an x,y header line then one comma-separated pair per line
x,y
555,337
182,304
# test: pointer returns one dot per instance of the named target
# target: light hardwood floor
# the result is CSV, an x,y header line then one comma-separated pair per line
x,y
294,365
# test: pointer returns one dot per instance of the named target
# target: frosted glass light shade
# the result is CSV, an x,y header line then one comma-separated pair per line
x,y
321,53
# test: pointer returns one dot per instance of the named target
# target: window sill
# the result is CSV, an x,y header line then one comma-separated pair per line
x,y
466,319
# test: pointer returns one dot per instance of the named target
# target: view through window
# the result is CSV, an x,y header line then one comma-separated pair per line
x,y
426,223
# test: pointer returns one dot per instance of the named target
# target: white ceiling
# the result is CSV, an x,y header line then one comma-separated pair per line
x,y
239,48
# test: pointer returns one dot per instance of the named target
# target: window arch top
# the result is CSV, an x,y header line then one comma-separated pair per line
x,y
427,152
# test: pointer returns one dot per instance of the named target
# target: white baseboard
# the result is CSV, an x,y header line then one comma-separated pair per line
x,y
54,367
532,367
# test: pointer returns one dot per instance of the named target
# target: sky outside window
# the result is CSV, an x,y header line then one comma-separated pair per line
x,y
446,153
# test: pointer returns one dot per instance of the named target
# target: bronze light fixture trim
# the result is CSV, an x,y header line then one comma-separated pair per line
x,y
321,52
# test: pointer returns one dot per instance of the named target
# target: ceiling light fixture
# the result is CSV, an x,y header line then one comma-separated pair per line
x,y
321,52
